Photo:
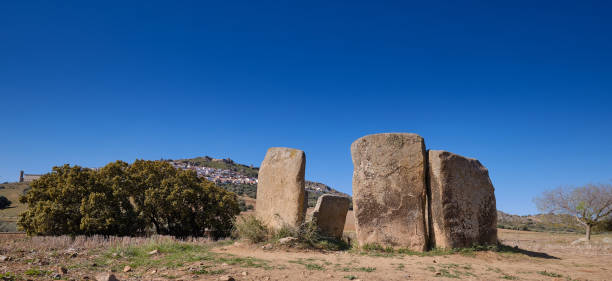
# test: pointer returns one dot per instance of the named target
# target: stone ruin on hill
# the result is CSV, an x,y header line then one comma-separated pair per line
x,y
403,195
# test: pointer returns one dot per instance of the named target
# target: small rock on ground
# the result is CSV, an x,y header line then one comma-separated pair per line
x,y
62,270
226,278
106,277
286,240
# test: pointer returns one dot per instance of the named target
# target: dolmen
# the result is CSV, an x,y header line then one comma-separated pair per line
x,y
404,196
282,200
389,190
407,197
330,214
463,210
280,188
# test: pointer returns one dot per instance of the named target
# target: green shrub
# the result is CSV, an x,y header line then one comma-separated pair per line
x,y
250,228
309,233
285,231
4,202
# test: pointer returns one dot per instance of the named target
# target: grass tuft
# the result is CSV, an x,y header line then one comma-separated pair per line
x,y
309,264
447,274
8,276
36,272
250,228
204,270
308,236
509,277
550,274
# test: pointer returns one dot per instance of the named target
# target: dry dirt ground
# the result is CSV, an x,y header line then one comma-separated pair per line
x,y
540,256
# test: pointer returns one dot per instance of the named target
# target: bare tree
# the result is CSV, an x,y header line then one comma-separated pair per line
x,y
590,204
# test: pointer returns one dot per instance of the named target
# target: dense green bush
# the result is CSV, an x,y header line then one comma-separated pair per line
x,y
122,199
4,202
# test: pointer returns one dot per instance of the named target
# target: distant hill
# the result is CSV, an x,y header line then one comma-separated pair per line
x,y
540,222
314,189
10,215
223,164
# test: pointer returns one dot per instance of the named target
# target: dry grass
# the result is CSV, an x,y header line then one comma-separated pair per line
x,y
20,242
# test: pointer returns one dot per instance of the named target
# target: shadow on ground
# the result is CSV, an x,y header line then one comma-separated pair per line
x,y
516,249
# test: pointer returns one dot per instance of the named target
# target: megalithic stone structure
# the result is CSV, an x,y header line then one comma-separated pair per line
x,y
389,189
330,214
280,188
462,199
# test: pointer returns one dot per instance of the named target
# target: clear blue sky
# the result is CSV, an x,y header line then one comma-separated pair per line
x,y
523,86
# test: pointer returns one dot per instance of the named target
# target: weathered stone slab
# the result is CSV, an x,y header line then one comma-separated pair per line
x,y
389,189
330,214
462,201
280,188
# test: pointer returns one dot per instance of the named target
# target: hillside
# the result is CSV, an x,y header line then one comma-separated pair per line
x,y
222,164
314,189
540,222
10,215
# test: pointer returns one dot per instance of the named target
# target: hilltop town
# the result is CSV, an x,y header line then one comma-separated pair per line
x,y
240,178
215,175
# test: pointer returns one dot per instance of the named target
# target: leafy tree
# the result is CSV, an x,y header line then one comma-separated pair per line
x,y
107,208
146,178
590,204
122,199
54,201
4,202
179,203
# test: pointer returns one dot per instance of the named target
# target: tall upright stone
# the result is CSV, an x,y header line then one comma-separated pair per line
x,y
389,188
330,214
280,188
462,201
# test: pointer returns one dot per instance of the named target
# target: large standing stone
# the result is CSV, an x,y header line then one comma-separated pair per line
x,y
330,214
280,188
463,209
389,190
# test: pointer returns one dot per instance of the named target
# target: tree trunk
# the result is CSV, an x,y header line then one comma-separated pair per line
x,y
588,232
